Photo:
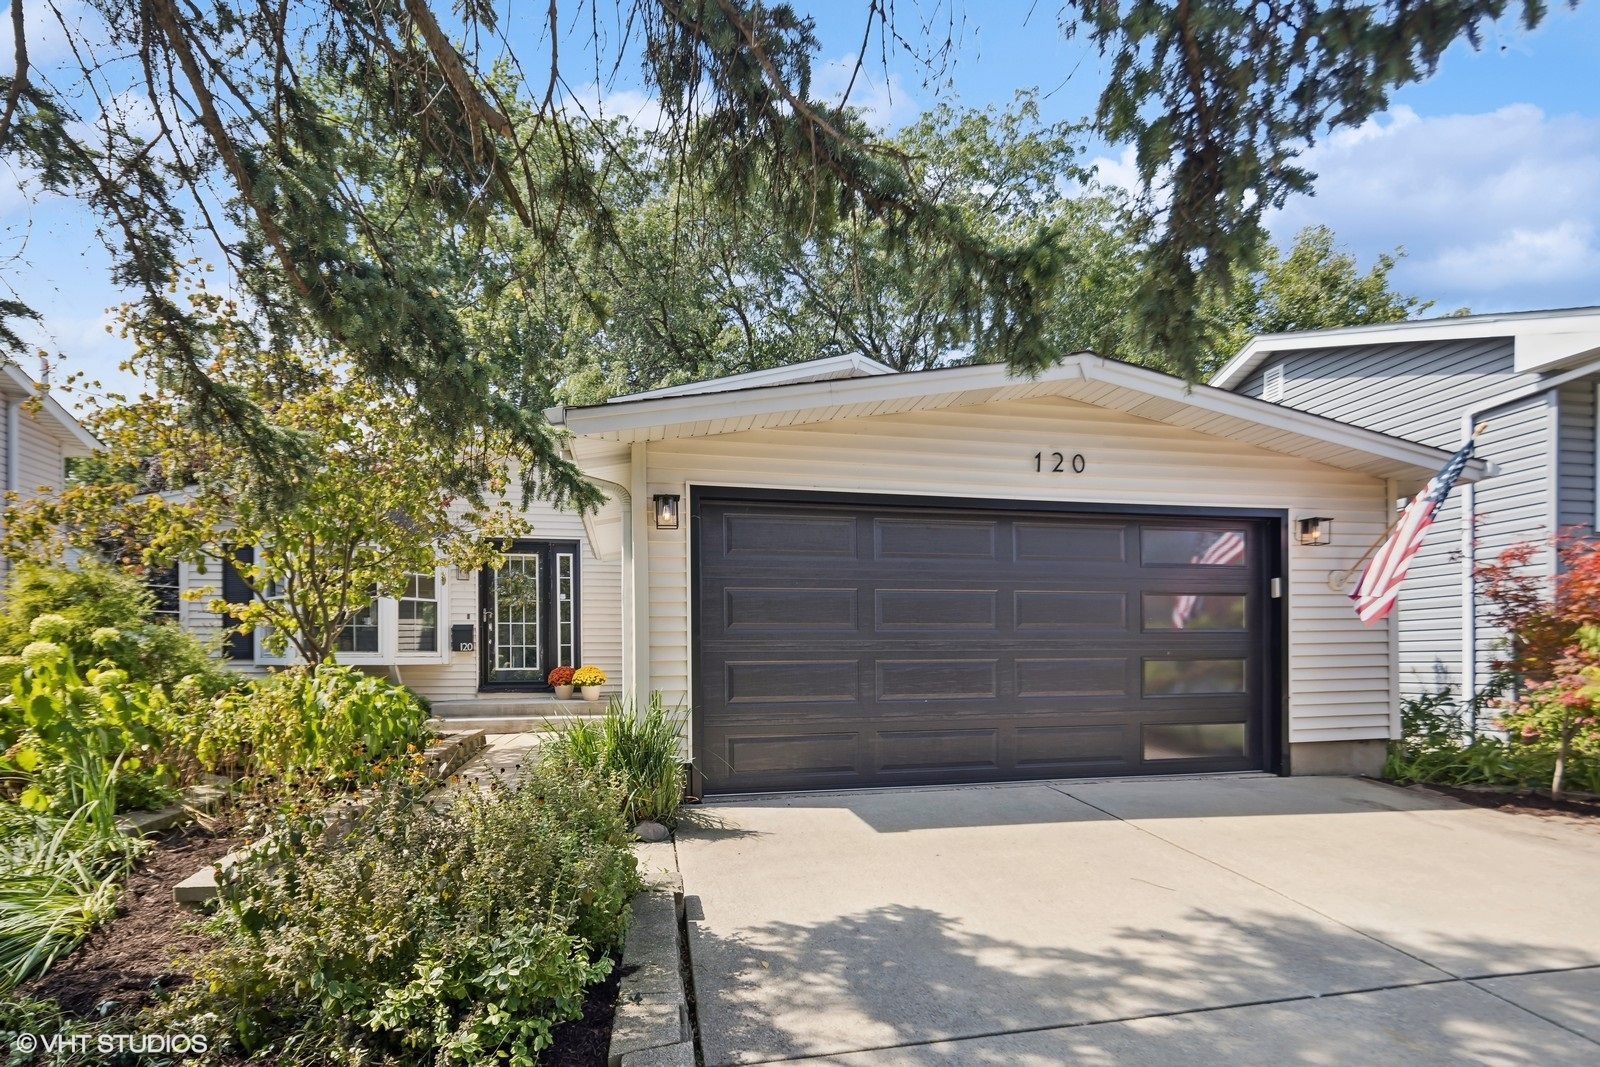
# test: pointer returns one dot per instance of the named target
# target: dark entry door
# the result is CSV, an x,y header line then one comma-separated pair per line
x,y
840,645
528,614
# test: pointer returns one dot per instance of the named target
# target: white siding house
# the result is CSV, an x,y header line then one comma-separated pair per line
x,y
1531,378
40,436
568,611
955,575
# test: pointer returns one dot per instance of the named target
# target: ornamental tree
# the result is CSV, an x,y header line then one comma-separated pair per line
x,y
1553,645
369,510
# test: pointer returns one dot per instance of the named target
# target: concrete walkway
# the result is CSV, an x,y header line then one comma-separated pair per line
x,y
1224,921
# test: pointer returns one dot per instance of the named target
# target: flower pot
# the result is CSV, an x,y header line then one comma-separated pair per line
x,y
590,692
563,692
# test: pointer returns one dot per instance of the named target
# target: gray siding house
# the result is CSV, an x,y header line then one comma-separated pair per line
x,y
1531,377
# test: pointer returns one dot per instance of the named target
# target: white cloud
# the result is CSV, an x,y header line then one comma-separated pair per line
x,y
1498,211
595,101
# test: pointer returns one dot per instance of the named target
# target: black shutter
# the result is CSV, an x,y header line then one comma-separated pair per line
x,y
240,646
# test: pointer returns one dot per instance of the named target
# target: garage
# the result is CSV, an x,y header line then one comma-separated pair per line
x,y
845,644
847,577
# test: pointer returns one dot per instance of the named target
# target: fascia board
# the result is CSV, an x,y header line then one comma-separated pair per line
x,y
627,415
1424,458
1541,340
668,411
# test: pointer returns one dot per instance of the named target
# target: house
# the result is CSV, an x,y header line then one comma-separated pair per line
x,y
859,578
1531,378
40,436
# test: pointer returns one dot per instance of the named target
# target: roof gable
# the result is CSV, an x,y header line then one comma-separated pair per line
x,y
1542,340
1084,377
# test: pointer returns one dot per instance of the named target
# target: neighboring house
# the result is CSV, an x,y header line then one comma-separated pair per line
x,y
40,436
1531,377
858,578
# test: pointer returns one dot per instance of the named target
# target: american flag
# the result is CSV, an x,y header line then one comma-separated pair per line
x,y
1380,583
1227,549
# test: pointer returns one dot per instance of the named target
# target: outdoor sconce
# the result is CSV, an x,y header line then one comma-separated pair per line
x,y
666,511
1317,530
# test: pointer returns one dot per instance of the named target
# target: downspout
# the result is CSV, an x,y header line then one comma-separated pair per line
x,y
1469,549
630,654
557,417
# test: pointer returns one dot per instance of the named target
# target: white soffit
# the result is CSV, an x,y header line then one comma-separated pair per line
x,y
1542,340
1084,377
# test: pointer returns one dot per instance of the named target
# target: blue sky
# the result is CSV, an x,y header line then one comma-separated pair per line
x,y
1488,174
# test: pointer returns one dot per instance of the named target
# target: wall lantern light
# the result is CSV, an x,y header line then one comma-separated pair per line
x,y
1317,530
666,511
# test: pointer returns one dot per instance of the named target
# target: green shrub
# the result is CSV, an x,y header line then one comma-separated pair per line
x,y
452,935
66,740
58,881
642,751
102,615
328,726
1437,746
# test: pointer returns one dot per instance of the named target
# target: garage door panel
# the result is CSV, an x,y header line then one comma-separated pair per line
x,y
974,611
792,681
1072,748
831,753
1070,609
761,608
936,679
1077,676
944,749
1035,542
763,535
933,539
949,647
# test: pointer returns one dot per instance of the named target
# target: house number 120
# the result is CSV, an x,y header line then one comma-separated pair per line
x,y
1056,462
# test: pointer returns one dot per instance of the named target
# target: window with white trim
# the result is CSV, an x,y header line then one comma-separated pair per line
x,y
417,614
566,613
360,634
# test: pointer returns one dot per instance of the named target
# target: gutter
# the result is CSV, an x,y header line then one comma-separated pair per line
x,y
1469,548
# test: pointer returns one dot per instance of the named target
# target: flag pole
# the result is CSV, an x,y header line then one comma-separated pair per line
x,y
1337,580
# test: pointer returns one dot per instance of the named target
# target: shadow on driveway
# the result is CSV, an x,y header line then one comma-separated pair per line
x,y
900,982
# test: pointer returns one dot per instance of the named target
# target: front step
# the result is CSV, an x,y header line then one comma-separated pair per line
x,y
507,724
516,706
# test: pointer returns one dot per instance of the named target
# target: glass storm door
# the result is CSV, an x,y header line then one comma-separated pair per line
x,y
527,614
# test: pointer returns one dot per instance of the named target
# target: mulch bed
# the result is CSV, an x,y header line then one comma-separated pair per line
x,y
1522,802
584,1042
124,964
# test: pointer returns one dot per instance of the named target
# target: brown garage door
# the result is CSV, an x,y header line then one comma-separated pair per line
x,y
841,645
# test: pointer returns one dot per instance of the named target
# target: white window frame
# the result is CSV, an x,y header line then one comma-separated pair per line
x,y
389,624
388,617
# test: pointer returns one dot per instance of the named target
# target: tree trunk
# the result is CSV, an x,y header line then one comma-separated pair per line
x,y
1558,779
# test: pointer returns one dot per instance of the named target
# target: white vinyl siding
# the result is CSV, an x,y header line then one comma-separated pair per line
x,y
599,614
1340,683
456,677
1577,460
1419,391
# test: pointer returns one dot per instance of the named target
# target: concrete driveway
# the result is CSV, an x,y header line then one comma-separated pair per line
x,y
1223,921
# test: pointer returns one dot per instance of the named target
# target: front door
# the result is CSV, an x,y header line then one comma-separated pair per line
x,y
528,614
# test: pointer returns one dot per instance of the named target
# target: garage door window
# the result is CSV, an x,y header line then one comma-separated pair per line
x,y
1193,548
1189,611
1197,740
1187,677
